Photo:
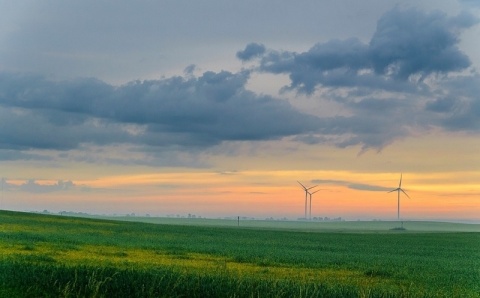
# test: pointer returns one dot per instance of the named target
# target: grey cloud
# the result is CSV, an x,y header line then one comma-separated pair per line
x,y
397,83
212,108
459,108
326,181
36,92
466,120
335,63
368,187
251,51
465,19
406,44
356,186
441,105
414,42
188,71
195,111
22,129
334,54
9,155
369,129
33,187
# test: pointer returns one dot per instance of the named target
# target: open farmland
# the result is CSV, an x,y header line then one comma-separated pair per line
x,y
308,226
53,256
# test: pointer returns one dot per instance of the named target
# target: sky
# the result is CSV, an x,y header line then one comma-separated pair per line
x,y
219,108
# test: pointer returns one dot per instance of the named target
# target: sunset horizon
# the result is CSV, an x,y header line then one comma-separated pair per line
x,y
219,109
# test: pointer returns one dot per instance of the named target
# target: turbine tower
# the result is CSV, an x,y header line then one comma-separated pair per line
x,y
306,195
311,193
398,190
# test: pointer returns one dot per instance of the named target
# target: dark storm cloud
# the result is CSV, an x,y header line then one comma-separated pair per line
x,y
195,111
406,44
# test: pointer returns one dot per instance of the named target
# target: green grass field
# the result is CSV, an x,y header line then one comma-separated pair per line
x,y
54,256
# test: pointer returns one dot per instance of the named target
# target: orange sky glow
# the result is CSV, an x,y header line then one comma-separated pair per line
x,y
267,194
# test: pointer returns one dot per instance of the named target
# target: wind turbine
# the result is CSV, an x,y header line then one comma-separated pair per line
x,y
398,190
306,195
311,193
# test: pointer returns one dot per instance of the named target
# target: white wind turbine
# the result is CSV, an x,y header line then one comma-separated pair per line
x,y
398,190
311,193
306,195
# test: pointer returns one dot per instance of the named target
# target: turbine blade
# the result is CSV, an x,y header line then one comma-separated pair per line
x,y
312,187
400,184
405,193
396,189
302,185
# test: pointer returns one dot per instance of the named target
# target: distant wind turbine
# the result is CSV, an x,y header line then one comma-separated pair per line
x,y
311,193
306,195
398,190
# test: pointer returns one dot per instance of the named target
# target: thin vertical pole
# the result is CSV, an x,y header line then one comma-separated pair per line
x,y
306,193
398,205
310,215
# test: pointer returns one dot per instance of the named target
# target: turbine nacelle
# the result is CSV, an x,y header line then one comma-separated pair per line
x,y
399,189
306,188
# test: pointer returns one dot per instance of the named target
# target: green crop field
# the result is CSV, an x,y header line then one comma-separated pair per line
x,y
54,256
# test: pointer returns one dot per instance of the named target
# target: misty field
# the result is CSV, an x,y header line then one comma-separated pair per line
x,y
54,256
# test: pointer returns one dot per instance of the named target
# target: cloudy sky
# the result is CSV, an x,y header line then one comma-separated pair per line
x,y
217,108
